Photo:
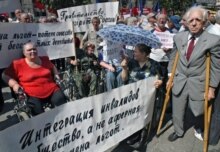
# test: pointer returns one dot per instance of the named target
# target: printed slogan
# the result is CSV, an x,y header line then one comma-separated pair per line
x,y
53,40
81,16
91,124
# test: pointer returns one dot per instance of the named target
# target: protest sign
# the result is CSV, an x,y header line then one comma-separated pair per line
x,y
52,39
81,16
112,51
166,38
7,7
91,124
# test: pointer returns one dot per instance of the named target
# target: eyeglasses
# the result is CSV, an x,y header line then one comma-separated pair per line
x,y
34,49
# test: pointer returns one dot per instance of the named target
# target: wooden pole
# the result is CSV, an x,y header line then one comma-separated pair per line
x,y
76,67
207,106
167,97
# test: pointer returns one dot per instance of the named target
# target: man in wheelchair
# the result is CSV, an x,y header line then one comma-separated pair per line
x,y
87,67
35,75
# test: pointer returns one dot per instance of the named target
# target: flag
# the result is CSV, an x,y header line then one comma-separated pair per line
x,y
141,6
156,7
130,7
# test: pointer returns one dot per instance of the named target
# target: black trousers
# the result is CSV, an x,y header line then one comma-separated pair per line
x,y
36,104
1,99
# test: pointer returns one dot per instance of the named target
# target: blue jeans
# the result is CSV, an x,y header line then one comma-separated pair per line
x,y
113,79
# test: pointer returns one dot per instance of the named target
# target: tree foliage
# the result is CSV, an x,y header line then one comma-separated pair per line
x,y
176,6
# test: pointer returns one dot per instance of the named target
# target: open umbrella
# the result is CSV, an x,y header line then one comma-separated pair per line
x,y
129,35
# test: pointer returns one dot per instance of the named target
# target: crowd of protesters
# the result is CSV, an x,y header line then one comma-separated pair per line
x,y
196,25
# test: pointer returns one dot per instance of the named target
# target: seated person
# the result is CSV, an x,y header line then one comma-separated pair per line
x,y
86,65
35,75
113,68
141,66
137,69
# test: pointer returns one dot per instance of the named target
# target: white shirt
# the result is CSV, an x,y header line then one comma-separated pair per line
x,y
189,40
214,29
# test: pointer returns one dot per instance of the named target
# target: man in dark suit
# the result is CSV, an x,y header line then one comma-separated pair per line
x,y
189,79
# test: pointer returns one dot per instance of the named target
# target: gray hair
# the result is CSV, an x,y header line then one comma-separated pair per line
x,y
159,15
198,8
217,17
131,20
27,43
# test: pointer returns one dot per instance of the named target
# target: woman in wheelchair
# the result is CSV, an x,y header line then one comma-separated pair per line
x,y
35,75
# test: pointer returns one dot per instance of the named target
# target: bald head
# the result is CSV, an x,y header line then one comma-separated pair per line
x,y
161,21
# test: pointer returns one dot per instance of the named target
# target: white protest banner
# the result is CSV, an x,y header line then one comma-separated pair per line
x,y
91,124
81,16
7,7
52,39
166,38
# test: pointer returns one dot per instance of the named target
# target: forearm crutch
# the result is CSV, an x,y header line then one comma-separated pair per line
x,y
167,97
207,105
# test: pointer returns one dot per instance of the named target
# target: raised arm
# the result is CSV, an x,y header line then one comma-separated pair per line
x,y
124,73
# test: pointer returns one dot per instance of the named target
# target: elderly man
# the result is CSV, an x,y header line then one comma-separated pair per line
x,y
183,24
25,18
215,121
161,54
18,15
91,34
151,18
215,28
189,78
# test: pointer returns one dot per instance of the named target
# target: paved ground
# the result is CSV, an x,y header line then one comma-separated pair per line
x,y
186,144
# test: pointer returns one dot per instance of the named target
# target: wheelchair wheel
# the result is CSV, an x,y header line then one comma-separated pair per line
x,y
22,116
100,86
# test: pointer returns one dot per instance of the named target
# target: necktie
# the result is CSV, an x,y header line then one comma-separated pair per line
x,y
190,48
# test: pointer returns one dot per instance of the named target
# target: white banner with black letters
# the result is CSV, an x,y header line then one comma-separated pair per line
x,y
91,124
52,39
81,16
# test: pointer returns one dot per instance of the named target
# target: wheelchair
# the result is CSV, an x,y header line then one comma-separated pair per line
x,y
68,86
22,110
101,80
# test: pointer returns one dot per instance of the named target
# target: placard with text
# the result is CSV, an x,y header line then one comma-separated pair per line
x,y
92,124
